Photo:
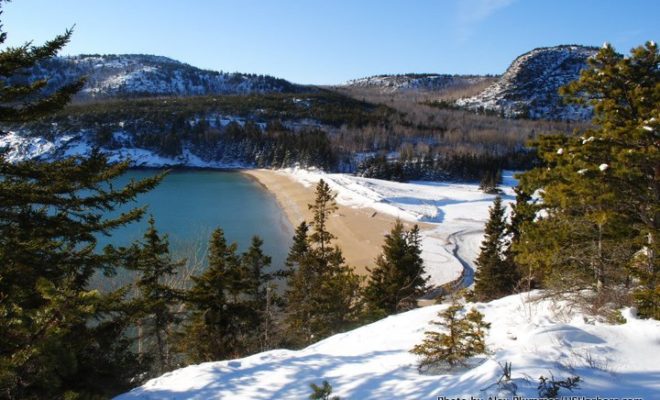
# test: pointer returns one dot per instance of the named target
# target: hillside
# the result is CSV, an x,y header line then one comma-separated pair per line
x,y
538,337
134,75
161,112
417,82
529,87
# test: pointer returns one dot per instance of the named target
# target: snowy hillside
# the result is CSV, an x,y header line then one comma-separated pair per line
x,y
529,87
137,75
19,147
373,362
416,82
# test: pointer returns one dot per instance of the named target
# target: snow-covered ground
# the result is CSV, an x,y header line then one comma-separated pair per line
x,y
19,147
373,362
457,213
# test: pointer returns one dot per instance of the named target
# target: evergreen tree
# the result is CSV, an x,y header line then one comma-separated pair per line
x,y
21,102
50,218
322,293
398,279
522,213
495,277
211,332
324,206
600,192
157,298
59,337
322,392
476,335
261,296
298,251
232,304
489,181
301,281
464,338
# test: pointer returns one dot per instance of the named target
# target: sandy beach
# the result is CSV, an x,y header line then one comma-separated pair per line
x,y
360,231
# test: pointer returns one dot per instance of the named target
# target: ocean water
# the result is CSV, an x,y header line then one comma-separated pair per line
x,y
189,204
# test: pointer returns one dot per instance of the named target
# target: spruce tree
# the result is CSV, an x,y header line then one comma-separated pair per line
x,y
489,181
59,337
212,332
324,206
50,218
301,279
329,288
398,278
495,277
298,251
522,213
337,286
260,295
231,305
322,392
464,338
599,192
157,298
21,102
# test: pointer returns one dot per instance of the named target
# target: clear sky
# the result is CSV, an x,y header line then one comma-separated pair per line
x,y
331,41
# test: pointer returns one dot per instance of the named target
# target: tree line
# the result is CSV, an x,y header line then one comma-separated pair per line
x,y
484,167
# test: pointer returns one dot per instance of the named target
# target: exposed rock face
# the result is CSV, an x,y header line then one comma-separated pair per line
x,y
529,87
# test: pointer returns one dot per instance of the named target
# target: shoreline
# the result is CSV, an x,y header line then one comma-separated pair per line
x,y
360,232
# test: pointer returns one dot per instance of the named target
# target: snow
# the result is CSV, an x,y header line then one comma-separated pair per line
x,y
538,337
414,82
20,148
16,146
529,87
456,212
112,75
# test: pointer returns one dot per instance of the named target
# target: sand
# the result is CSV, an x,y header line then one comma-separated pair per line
x,y
360,231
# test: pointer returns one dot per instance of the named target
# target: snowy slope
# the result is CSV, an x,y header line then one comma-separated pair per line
x,y
22,148
416,82
529,87
373,362
139,75
457,213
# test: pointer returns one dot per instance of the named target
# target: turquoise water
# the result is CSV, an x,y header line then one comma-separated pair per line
x,y
188,205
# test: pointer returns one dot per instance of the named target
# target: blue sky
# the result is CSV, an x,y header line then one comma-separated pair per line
x,y
331,41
